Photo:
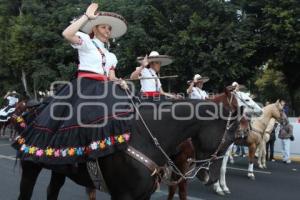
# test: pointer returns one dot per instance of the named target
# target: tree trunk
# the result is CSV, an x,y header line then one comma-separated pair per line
x,y
24,82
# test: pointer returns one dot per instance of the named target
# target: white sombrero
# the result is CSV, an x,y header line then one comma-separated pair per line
x,y
155,57
198,78
235,84
117,22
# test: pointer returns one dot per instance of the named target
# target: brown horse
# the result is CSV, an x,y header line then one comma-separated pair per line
x,y
19,108
186,150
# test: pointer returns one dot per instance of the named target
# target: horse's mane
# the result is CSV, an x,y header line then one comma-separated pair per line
x,y
269,107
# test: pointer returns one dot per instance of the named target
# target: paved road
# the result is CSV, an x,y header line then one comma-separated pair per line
x,y
279,182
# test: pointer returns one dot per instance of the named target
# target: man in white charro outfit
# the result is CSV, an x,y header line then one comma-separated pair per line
x,y
195,90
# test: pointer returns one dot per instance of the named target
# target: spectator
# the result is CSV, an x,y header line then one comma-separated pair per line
x,y
286,136
271,142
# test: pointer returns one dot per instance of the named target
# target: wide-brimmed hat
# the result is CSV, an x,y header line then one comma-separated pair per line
x,y
14,93
198,78
155,57
117,22
241,87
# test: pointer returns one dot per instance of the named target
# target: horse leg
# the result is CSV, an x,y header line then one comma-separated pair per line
x,y
230,154
172,191
91,193
221,183
182,186
259,152
56,182
30,172
122,197
223,172
217,188
12,133
264,150
252,149
3,129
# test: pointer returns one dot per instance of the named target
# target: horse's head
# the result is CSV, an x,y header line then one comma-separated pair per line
x,y
250,107
20,107
275,110
219,134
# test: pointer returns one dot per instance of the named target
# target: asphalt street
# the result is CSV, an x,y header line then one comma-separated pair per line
x,y
279,182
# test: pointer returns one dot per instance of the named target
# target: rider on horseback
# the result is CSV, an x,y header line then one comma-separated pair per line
x,y
6,112
148,73
195,90
80,121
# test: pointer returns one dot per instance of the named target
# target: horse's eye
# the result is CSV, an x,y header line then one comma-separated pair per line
x,y
247,100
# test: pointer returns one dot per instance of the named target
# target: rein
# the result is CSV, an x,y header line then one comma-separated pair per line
x,y
228,126
191,174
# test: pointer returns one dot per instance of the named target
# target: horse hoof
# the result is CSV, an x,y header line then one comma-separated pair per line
x,y
260,167
251,177
220,193
227,191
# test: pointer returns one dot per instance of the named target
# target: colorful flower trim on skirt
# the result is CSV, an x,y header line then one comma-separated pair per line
x,y
74,151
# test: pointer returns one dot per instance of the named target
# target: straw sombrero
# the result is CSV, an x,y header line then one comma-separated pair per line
x,y
199,78
155,57
117,22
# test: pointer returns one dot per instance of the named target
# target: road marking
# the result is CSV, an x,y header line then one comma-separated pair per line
x,y
176,195
3,145
7,157
245,170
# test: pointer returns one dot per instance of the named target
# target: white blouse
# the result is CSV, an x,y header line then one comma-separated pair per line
x,y
198,93
90,58
149,85
12,100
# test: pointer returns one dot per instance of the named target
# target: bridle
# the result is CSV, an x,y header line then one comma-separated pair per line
x,y
265,125
198,164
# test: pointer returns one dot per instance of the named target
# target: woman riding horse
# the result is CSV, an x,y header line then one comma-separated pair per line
x,y
151,87
81,115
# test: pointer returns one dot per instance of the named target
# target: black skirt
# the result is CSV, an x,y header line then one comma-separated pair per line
x,y
85,119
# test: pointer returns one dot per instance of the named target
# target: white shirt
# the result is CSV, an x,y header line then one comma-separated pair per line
x,y
12,100
149,85
198,93
90,58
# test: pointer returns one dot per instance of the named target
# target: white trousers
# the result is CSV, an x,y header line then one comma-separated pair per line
x,y
286,149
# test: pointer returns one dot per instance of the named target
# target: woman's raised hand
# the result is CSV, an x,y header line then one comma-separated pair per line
x,y
91,11
145,61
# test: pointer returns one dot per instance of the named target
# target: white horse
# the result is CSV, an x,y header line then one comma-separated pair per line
x,y
255,136
251,109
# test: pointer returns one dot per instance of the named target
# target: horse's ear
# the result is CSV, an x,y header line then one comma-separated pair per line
x,y
277,102
229,89
252,96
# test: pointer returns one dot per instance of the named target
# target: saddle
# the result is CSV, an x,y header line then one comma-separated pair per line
x,y
242,133
244,129
158,172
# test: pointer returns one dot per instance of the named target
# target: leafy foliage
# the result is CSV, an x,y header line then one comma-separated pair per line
x,y
225,40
